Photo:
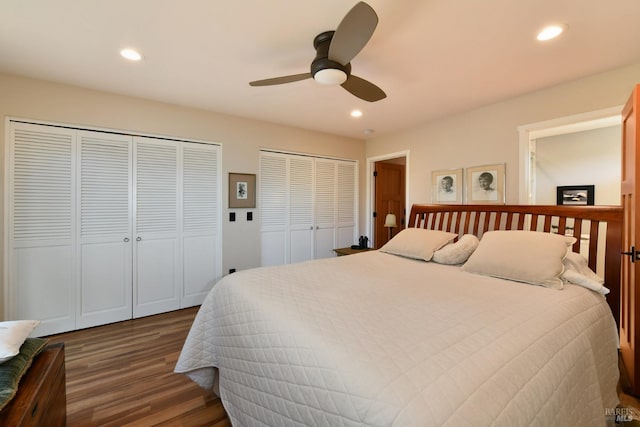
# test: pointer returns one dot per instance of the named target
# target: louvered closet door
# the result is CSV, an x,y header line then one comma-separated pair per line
x,y
273,208
157,251
41,234
201,227
104,228
325,208
346,211
301,233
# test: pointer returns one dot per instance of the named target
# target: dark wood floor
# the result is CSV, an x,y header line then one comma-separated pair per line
x,y
122,375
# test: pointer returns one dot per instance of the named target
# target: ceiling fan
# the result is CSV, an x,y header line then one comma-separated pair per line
x,y
334,52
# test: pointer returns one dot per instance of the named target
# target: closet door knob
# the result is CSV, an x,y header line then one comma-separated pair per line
x,y
138,238
126,239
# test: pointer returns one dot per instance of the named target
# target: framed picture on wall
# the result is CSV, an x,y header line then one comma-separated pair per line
x,y
446,186
486,184
242,190
576,195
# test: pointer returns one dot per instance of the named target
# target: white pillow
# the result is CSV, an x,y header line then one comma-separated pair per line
x,y
524,256
458,252
12,335
577,271
576,278
570,240
578,263
417,243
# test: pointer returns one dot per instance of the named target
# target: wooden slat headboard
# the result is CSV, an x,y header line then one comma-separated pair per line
x,y
597,229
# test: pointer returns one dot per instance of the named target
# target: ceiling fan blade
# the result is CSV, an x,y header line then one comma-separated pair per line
x,y
353,33
363,89
281,80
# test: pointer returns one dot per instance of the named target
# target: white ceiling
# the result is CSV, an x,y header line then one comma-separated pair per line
x,y
432,57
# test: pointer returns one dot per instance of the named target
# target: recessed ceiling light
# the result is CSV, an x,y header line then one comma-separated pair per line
x,y
131,54
551,32
356,113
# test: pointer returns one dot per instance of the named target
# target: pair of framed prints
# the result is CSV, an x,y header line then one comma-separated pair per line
x,y
484,185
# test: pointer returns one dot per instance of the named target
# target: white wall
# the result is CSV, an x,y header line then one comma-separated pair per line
x,y
581,158
489,134
482,136
241,141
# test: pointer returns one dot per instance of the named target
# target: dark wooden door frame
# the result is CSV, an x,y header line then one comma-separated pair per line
x,y
370,198
390,195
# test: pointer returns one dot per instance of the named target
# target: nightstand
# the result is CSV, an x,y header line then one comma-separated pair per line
x,y
350,251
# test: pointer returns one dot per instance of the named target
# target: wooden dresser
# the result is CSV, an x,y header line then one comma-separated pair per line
x,y
41,399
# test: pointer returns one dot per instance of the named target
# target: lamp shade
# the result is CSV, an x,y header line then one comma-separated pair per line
x,y
390,220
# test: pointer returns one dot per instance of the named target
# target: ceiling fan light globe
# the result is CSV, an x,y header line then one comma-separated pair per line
x,y
330,76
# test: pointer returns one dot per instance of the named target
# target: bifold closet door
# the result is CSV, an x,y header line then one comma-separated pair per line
x,y
325,208
307,207
286,208
41,253
157,250
346,204
104,228
301,229
336,194
274,200
200,218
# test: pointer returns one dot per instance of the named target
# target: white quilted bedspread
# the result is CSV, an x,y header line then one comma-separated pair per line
x,y
377,340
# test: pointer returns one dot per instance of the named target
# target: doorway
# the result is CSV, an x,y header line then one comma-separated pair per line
x,y
387,180
553,128
586,157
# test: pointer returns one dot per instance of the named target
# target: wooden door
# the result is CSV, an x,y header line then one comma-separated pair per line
x,y
390,198
630,297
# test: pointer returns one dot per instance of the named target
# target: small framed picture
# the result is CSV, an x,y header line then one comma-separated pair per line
x,y
486,184
242,190
446,186
576,195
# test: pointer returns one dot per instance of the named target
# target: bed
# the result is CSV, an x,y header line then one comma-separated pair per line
x,y
385,338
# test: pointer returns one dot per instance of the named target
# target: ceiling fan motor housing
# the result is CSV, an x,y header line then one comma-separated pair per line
x,y
322,62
